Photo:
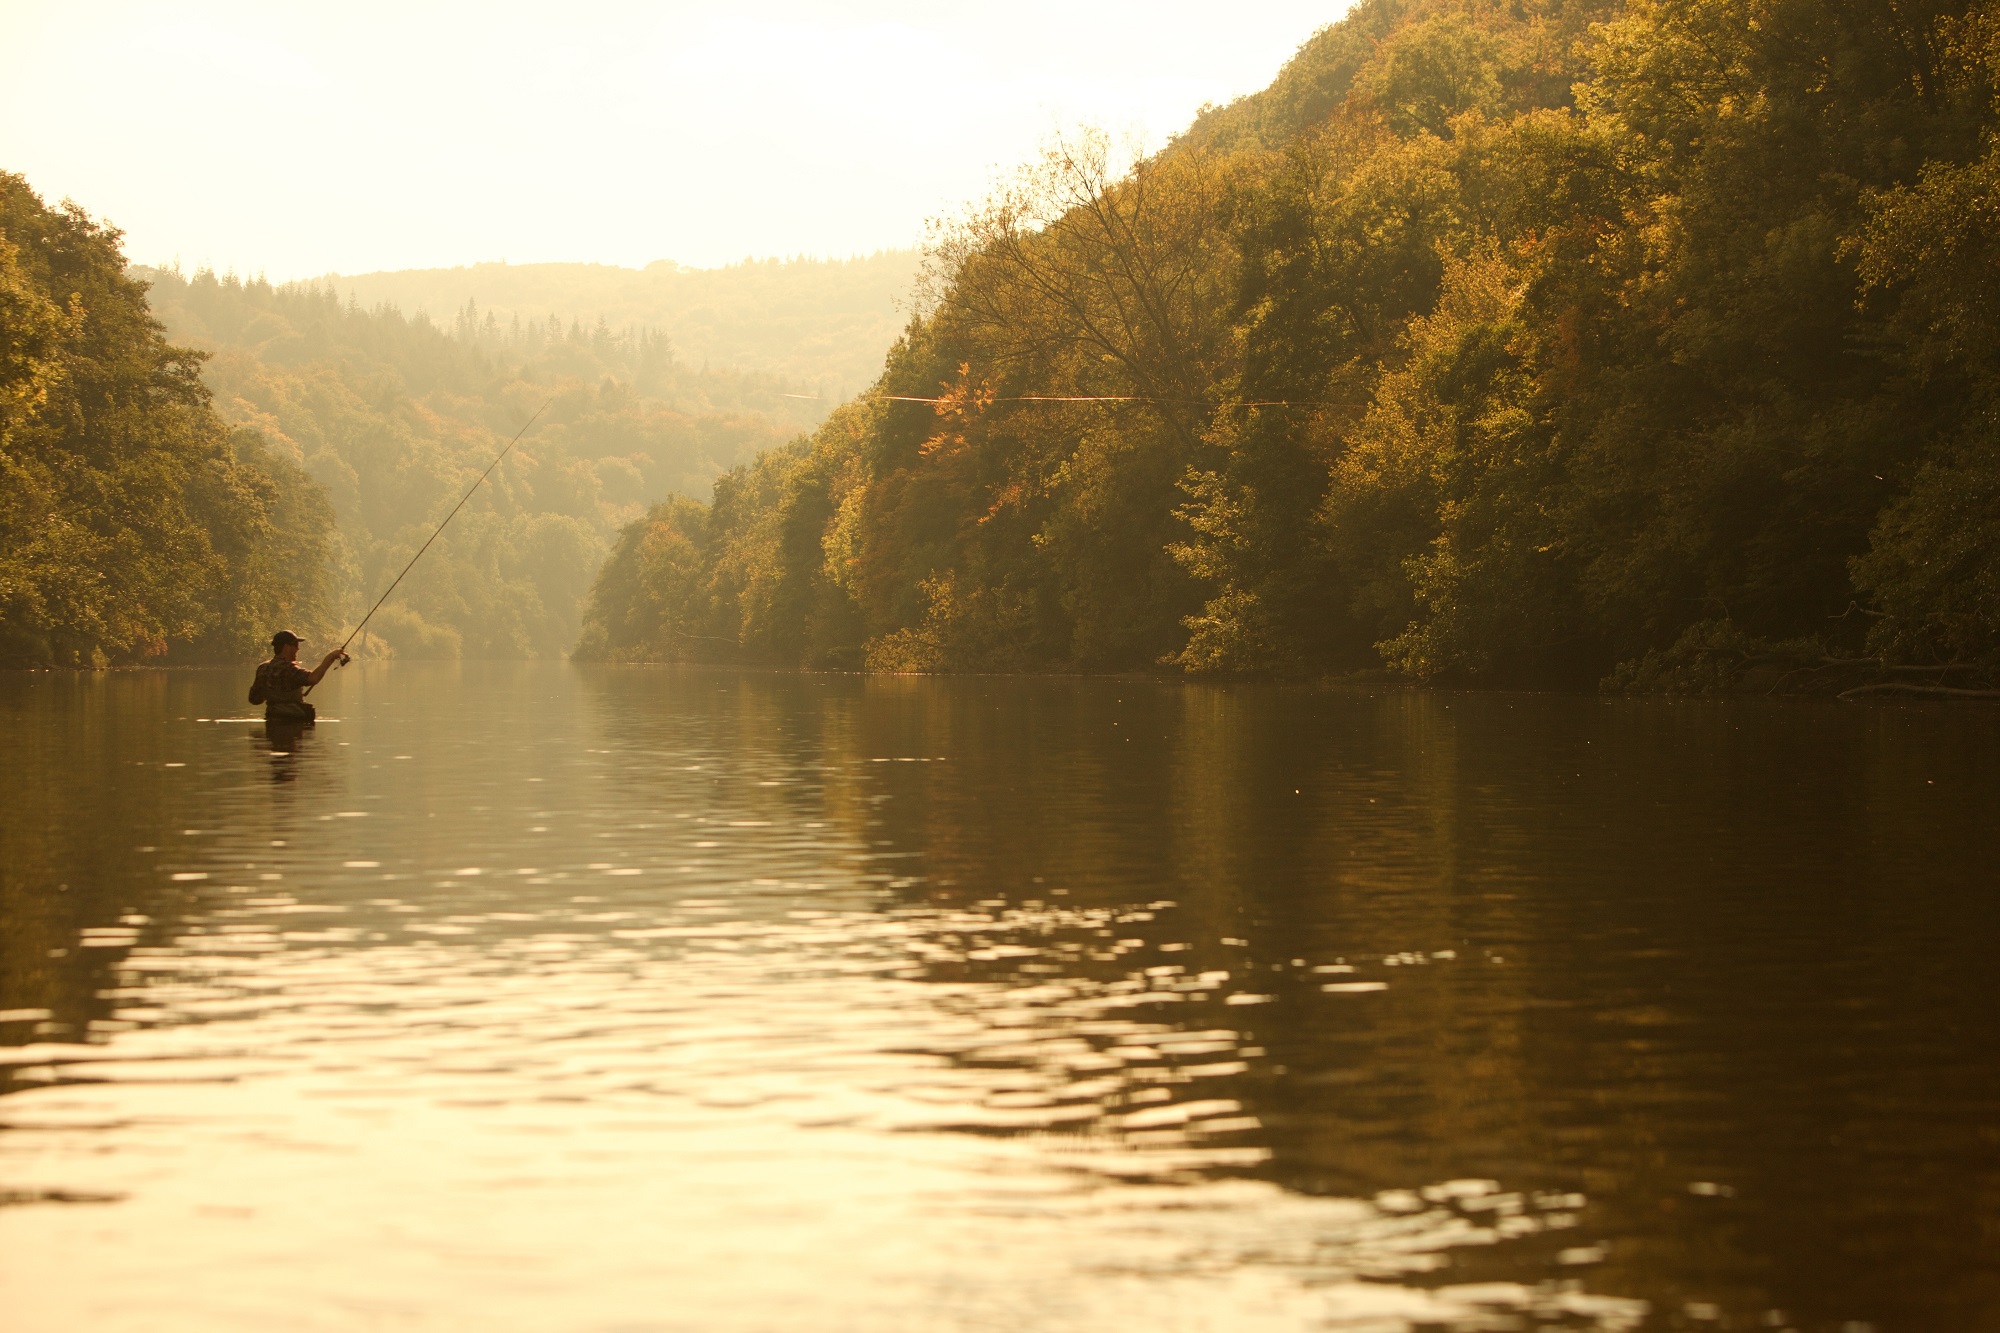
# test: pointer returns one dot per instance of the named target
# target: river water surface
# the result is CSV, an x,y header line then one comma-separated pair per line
x,y
541,998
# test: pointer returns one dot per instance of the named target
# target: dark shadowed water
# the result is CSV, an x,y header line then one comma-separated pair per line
x,y
539,998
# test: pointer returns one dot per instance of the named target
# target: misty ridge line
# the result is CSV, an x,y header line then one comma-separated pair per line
x,y
822,322
376,419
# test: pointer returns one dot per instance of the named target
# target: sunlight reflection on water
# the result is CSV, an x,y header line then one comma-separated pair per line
x,y
529,998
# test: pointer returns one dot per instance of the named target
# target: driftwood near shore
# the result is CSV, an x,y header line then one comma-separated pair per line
x,y
1867,677
1722,660
1908,688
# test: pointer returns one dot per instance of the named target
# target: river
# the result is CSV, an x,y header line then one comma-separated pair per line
x,y
542,998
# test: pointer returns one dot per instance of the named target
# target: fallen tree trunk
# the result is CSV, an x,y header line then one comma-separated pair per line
x,y
1898,687
1876,664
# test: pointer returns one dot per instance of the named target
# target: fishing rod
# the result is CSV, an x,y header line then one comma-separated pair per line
x,y
1087,398
342,650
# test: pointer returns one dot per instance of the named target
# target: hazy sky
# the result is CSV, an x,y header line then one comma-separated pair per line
x,y
302,139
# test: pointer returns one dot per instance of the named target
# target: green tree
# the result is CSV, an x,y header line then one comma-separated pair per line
x,y
132,527
1536,342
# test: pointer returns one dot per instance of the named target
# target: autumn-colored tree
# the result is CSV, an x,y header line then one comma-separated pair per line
x,y
1530,342
133,526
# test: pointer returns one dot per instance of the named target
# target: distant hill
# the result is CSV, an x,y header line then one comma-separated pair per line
x,y
392,391
394,416
825,324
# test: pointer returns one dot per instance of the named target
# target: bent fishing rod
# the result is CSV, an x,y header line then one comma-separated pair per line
x,y
342,650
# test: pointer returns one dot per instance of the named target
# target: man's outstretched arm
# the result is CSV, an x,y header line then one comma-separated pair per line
x,y
325,663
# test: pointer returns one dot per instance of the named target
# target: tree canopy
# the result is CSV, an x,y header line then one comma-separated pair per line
x,y
135,526
1530,342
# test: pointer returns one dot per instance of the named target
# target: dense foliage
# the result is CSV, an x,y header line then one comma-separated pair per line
x,y
396,416
135,526
1497,340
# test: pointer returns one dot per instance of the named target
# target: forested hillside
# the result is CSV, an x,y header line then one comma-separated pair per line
x,y
825,325
135,526
396,416
1512,342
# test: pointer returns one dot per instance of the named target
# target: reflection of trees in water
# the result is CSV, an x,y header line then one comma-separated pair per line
x,y
1626,948
115,811
90,806
1645,907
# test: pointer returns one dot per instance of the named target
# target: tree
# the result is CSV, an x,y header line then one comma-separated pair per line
x,y
132,527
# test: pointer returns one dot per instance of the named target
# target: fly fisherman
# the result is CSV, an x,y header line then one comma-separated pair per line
x,y
281,682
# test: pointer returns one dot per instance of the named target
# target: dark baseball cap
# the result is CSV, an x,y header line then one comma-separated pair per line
x,y
284,636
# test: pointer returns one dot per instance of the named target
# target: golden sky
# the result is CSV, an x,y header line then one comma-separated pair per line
x,y
298,139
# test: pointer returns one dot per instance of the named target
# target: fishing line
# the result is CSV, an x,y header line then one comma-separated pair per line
x,y
1083,398
1104,398
435,535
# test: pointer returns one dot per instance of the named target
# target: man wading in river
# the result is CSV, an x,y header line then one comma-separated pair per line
x,y
281,682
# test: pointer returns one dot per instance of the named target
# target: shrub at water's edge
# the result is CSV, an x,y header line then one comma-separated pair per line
x,y
134,525
1530,344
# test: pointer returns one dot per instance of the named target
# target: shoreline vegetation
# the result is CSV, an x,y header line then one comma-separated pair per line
x,y
135,524
1554,344
188,461
1545,344
1821,681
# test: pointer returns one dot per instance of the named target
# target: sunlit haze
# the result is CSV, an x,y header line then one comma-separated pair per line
x,y
301,140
